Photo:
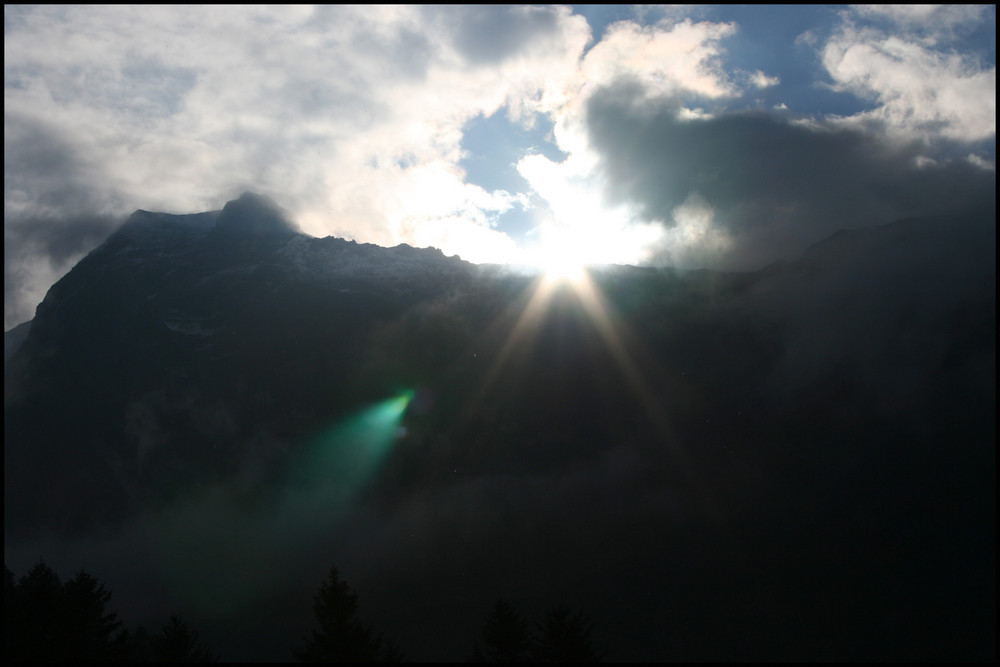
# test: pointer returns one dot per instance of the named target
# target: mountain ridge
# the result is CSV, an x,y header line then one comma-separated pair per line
x,y
173,227
291,399
162,285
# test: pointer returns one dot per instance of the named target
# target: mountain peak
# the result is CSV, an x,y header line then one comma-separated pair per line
x,y
256,215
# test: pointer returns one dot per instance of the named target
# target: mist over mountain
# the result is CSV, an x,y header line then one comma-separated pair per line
x,y
792,463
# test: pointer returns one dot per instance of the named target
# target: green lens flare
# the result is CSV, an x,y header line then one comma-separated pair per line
x,y
387,412
214,526
350,452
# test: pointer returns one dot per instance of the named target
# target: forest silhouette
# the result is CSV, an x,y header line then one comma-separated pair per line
x,y
48,620
563,637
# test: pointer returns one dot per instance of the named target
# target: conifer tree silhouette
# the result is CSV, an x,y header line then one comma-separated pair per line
x,y
507,636
177,642
46,620
91,628
565,637
341,636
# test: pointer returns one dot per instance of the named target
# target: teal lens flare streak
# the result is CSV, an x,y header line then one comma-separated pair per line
x,y
218,555
350,452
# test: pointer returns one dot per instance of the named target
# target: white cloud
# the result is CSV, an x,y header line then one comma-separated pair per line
x,y
808,38
920,91
351,117
459,235
694,236
582,226
933,22
761,80
981,162
182,106
668,59
680,60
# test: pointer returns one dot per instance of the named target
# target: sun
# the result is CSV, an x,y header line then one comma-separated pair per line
x,y
562,268
560,259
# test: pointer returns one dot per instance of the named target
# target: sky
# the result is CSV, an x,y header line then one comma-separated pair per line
x,y
718,137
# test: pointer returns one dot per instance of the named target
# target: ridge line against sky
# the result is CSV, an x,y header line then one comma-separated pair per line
x,y
716,136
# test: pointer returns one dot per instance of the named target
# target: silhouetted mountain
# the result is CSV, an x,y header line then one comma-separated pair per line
x,y
12,339
174,317
793,463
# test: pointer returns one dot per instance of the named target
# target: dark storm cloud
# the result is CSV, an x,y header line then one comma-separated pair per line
x,y
776,185
36,248
52,214
56,239
44,168
489,34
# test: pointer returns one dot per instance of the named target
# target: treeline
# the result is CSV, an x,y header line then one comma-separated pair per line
x,y
48,620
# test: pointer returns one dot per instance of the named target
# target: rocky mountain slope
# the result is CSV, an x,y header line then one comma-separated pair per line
x,y
799,460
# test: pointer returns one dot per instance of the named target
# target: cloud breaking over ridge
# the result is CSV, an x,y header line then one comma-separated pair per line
x,y
353,118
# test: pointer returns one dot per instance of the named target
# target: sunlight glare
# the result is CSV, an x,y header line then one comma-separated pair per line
x,y
560,256
562,268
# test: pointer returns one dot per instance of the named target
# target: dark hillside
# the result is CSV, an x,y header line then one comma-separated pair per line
x,y
791,464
